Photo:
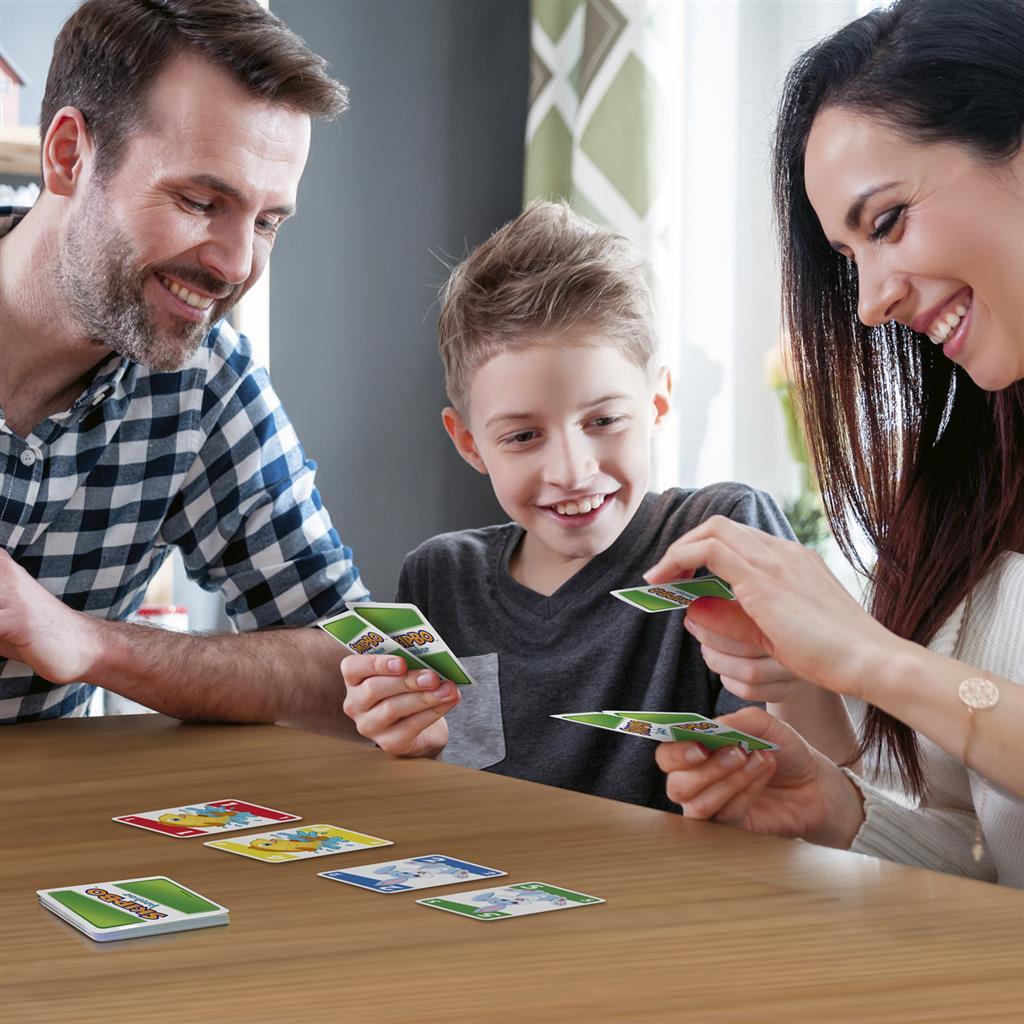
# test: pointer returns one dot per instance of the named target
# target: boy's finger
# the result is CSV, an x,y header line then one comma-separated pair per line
x,y
378,688
401,739
384,715
357,668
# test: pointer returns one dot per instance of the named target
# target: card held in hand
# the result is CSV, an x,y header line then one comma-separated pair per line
x,y
667,726
670,597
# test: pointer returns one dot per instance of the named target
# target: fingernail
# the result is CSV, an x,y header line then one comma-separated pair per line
x,y
395,664
734,756
425,679
444,692
754,762
695,755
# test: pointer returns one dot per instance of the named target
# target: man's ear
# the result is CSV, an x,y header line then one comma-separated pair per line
x,y
462,438
662,399
67,151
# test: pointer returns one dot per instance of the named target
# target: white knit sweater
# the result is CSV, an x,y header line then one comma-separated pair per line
x,y
939,834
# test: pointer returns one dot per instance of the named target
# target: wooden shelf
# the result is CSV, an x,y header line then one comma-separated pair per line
x,y
19,149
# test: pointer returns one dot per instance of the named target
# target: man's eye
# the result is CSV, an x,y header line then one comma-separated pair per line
x,y
194,204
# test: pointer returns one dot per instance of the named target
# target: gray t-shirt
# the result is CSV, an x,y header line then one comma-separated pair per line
x,y
578,650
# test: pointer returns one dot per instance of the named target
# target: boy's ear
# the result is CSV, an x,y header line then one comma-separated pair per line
x,y
662,399
67,147
462,438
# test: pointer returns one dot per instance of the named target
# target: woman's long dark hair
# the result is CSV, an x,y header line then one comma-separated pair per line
x,y
905,444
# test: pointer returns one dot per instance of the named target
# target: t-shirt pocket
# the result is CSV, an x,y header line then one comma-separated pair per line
x,y
476,737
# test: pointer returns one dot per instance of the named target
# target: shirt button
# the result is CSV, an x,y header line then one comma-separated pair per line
x,y
28,457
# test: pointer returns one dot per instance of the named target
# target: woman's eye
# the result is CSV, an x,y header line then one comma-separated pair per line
x,y
886,223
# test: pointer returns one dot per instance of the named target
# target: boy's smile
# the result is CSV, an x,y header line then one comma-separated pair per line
x,y
563,429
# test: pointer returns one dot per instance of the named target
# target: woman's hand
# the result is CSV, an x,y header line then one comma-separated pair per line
x,y
731,645
799,613
793,791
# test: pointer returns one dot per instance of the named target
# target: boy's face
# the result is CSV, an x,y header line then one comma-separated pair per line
x,y
563,431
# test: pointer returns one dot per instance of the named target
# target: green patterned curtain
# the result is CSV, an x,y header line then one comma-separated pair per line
x,y
599,111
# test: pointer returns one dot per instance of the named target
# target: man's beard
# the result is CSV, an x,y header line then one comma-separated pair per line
x,y
99,279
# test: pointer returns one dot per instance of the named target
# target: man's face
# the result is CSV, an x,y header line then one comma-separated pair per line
x,y
157,252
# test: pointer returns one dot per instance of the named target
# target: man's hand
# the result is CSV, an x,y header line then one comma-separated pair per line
x,y
36,628
401,711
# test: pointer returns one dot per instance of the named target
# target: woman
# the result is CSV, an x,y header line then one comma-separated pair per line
x,y
899,188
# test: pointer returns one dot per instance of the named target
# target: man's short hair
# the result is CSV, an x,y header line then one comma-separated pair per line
x,y
109,52
547,274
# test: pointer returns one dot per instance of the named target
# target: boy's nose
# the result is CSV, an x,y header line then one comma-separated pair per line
x,y
572,465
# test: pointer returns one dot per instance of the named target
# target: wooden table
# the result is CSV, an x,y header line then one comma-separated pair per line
x,y
703,923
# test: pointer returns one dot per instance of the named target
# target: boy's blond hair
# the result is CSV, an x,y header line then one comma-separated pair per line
x,y
547,273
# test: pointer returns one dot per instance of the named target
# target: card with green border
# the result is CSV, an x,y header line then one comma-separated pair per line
x,y
667,726
670,597
517,900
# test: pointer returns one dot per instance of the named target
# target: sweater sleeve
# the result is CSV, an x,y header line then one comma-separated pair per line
x,y
939,838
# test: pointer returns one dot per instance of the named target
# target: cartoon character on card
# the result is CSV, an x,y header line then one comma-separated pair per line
x,y
544,897
300,841
495,903
394,875
206,816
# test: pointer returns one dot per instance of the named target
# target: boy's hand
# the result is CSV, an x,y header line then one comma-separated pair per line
x,y
401,711
794,791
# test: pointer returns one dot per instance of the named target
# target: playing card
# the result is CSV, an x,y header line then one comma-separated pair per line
x,y
133,907
407,626
362,638
668,597
204,819
413,873
299,844
511,901
665,726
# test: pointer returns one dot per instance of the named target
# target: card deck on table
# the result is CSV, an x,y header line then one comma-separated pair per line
x,y
210,818
400,629
413,873
133,907
510,901
666,726
669,597
299,844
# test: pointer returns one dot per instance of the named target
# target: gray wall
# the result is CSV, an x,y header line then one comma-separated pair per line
x,y
428,160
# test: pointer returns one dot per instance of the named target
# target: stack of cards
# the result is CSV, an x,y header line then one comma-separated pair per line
x,y
133,907
670,725
399,629
670,597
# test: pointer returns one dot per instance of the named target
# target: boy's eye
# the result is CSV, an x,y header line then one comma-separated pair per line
x,y
605,421
522,437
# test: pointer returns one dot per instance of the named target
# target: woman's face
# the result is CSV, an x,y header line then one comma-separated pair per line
x,y
937,236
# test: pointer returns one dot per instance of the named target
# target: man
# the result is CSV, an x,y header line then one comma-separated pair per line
x,y
132,418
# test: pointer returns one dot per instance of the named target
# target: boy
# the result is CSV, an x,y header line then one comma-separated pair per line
x,y
548,347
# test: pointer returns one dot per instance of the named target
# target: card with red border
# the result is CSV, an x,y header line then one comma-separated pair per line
x,y
207,819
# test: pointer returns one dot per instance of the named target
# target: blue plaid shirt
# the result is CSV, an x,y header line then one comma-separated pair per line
x,y
204,459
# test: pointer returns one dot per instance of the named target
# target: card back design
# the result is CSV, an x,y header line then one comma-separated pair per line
x,y
670,597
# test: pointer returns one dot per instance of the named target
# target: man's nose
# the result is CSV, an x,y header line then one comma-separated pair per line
x,y
228,251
